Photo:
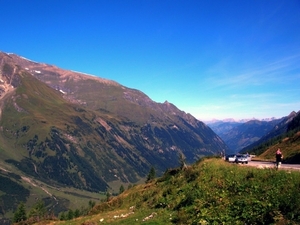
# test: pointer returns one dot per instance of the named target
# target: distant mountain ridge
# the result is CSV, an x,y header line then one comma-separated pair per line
x,y
231,120
256,136
74,129
285,125
239,135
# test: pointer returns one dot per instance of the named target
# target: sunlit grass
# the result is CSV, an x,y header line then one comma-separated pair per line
x,y
208,192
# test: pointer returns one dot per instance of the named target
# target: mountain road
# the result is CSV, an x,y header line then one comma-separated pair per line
x,y
264,164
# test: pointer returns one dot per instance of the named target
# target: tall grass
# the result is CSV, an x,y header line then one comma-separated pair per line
x,y
209,192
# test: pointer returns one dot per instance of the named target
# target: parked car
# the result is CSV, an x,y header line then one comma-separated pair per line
x,y
230,158
241,159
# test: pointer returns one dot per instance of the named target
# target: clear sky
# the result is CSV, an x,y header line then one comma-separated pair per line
x,y
213,59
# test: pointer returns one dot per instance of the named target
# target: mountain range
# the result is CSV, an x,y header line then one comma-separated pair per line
x,y
244,136
238,135
284,135
70,129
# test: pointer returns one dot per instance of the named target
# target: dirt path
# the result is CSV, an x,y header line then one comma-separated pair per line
x,y
270,165
28,180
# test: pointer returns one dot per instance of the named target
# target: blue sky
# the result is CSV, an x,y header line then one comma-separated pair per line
x,y
213,59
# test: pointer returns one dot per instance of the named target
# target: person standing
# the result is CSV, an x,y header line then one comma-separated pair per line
x,y
279,157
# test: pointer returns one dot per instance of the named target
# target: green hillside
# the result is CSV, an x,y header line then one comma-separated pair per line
x,y
208,192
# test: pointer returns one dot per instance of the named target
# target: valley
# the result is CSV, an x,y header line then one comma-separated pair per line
x,y
40,190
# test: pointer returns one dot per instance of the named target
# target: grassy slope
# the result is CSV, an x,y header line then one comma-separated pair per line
x,y
34,110
290,147
39,106
209,192
102,96
289,143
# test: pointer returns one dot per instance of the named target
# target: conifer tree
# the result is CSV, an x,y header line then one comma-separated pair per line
x,y
62,216
122,189
91,204
107,196
70,214
38,211
20,214
151,174
76,213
